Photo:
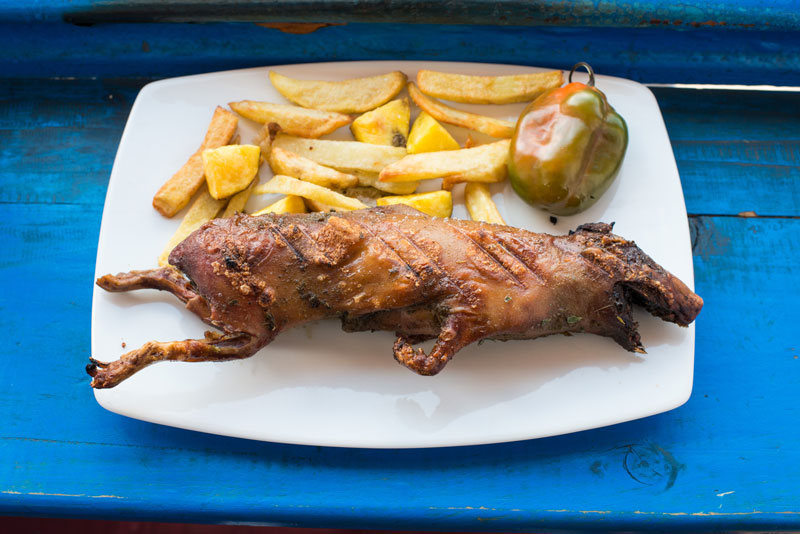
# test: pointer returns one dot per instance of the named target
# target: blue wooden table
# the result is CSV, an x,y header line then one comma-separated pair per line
x,y
728,459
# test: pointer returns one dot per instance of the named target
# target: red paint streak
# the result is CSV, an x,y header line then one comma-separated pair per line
x,y
656,22
709,23
297,28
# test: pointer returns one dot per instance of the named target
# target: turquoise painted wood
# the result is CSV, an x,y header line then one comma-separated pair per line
x,y
728,459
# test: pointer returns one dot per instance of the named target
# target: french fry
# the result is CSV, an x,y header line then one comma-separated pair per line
x,y
287,185
290,164
444,113
203,209
315,206
487,89
356,95
480,205
292,119
264,139
370,179
484,163
288,204
435,203
238,201
346,156
178,190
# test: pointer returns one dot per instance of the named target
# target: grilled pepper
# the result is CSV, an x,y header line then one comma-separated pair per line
x,y
567,148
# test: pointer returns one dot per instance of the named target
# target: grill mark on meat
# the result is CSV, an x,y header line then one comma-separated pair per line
x,y
491,257
434,265
391,248
420,253
275,230
515,259
313,243
516,256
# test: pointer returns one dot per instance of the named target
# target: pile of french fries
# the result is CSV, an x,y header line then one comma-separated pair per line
x,y
383,164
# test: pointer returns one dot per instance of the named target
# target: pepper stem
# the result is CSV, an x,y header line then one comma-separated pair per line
x,y
588,68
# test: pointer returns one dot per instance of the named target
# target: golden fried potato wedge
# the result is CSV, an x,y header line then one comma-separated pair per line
x,y
179,189
287,185
290,164
293,120
479,203
435,203
480,123
385,125
230,168
484,163
314,206
346,156
487,89
203,209
356,95
370,179
427,135
288,204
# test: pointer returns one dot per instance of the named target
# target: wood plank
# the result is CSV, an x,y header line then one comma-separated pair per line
x,y
67,103
701,55
57,165
737,151
636,474
781,15
58,138
729,115
767,190
746,364
728,459
274,489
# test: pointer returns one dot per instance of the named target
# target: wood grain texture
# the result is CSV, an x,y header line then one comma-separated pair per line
x,y
737,151
728,459
749,14
695,55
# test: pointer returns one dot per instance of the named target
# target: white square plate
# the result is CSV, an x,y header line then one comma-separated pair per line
x,y
318,385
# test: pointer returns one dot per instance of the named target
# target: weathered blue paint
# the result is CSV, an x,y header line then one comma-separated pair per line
x,y
746,159
705,55
726,460
66,456
749,14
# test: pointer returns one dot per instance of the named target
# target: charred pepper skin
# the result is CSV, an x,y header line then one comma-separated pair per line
x,y
567,148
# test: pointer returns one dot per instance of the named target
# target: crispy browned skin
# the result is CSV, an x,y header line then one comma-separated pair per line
x,y
394,268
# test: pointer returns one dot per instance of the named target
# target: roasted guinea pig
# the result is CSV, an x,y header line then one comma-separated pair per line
x,y
396,269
